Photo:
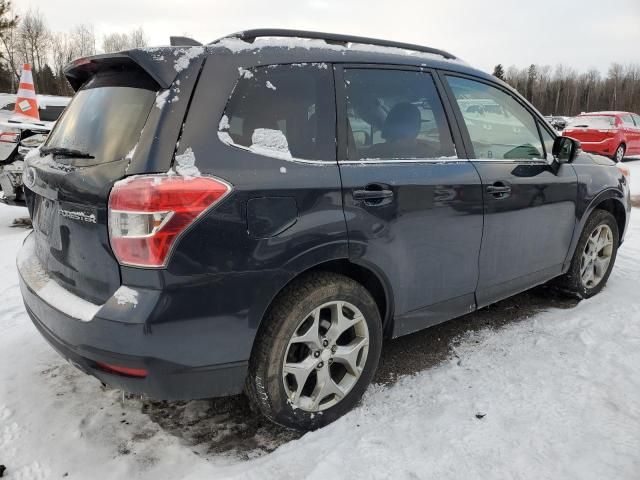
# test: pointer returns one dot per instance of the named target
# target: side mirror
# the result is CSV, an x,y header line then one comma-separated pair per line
x,y
565,149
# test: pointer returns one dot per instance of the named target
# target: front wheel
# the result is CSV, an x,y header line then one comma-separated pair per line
x,y
594,257
316,352
619,155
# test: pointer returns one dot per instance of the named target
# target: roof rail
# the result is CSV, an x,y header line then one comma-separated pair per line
x,y
335,38
176,41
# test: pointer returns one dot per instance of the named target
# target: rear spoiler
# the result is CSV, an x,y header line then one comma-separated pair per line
x,y
161,63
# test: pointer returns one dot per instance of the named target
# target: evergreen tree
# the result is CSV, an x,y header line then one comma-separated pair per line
x,y
498,71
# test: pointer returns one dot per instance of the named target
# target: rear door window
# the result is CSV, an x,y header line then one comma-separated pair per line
x,y
499,126
105,117
283,111
395,115
627,120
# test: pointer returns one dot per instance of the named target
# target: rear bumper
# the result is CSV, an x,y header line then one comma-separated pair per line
x,y
606,147
118,333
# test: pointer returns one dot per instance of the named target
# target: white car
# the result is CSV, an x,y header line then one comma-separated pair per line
x,y
18,135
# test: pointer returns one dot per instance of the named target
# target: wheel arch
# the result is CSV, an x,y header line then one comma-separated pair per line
x,y
374,281
610,200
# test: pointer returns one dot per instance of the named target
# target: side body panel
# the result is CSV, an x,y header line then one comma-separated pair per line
x,y
426,236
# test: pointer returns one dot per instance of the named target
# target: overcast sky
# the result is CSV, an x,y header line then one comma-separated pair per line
x,y
578,33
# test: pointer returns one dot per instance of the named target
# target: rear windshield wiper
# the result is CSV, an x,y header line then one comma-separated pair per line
x,y
65,152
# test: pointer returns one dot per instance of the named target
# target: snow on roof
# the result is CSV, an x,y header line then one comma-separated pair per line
x,y
605,112
236,45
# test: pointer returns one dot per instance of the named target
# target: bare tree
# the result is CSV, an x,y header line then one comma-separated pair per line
x,y
9,40
116,42
83,41
137,38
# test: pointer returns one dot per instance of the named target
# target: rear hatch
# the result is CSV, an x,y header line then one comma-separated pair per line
x,y
591,128
113,127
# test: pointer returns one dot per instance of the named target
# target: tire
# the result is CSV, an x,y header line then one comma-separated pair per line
x,y
618,156
573,282
311,302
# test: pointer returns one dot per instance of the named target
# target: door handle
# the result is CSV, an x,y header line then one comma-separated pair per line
x,y
499,190
374,194
371,194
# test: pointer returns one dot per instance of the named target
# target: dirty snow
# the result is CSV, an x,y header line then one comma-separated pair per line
x,y
185,57
185,164
558,390
47,288
244,73
267,141
126,296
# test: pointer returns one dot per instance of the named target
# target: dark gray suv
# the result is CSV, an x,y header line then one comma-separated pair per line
x,y
258,214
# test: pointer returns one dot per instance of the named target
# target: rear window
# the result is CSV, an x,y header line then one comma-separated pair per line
x,y
106,116
283,111
593,121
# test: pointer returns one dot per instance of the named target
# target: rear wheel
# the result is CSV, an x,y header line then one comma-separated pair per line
x,y
316,353
619,155
594,257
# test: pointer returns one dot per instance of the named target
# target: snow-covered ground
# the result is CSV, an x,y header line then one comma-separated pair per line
x,y
554,396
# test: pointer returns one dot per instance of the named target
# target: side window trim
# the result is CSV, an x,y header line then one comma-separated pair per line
x,y
341,113
463,127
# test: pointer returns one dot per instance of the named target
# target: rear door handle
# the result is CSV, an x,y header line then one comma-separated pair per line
x,y
372,194
499,190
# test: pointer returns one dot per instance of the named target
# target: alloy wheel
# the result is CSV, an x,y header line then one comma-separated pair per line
x,y
596,256
325,356
620,154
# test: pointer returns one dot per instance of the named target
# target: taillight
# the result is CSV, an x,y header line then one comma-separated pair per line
x,y
9,137
148,213
626,171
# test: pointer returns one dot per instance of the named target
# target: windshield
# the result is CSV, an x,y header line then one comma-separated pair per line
x,y
593,121
104,122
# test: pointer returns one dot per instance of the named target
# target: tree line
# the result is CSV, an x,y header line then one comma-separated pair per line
x,y
559,90
562,90
28,39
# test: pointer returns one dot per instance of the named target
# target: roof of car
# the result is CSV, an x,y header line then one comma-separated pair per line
x,y
606,112
298,49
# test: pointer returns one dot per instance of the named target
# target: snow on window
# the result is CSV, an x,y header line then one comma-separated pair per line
x,y
224,123
270,85
185,164
244,73
266,141
186,55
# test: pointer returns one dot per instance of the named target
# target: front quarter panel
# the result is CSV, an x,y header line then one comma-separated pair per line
x,y
598,180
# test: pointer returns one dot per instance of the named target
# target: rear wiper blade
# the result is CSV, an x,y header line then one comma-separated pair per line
x,y
65,152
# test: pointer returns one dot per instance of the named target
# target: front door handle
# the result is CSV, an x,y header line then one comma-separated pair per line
x,y
499,190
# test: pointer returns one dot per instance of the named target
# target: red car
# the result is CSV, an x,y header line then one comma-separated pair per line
x,y
612,134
